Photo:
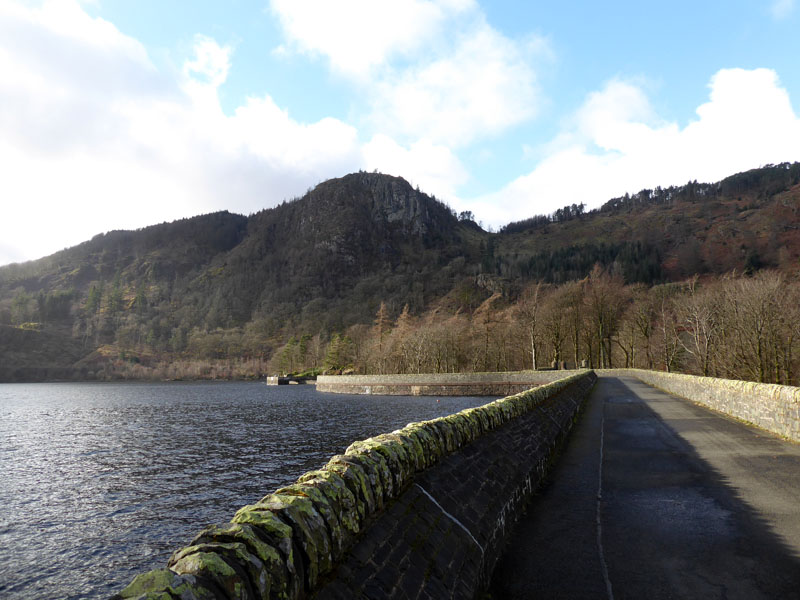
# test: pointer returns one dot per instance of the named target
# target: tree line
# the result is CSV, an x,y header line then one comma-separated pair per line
x,y
738,327
764,182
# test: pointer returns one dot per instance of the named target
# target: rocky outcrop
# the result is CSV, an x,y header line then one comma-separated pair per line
x,y
395,201
389,202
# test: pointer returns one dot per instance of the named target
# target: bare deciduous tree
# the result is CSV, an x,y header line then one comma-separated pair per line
x,y
528,309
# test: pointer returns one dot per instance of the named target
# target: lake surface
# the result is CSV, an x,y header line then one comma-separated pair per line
x,y
102,481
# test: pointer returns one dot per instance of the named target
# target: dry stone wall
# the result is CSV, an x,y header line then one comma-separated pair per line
x,y
444,534
417,511
775,408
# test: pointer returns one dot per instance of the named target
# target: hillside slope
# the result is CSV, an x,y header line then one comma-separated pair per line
x,y
745,222
222,285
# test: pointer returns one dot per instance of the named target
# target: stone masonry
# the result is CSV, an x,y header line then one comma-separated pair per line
x,y
421,512
439,384
443,535
775,408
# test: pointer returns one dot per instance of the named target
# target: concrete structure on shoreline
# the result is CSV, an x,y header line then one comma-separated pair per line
x,y
440,384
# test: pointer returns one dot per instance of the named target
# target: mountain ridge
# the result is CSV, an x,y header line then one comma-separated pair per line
x,y
326,261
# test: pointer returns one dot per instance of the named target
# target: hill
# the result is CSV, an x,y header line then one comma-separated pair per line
x,y
223,286
745,222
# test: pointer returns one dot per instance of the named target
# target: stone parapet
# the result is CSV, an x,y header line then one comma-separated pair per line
x,y
775,408
465,477
439,384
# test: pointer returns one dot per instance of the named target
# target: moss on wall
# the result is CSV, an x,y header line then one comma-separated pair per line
x,y
284,544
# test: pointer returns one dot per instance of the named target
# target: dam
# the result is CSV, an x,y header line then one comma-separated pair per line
x,y
649,498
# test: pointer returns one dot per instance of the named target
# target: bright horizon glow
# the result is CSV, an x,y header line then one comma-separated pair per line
x,y
119,115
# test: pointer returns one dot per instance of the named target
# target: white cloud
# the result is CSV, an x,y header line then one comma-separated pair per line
x,y
616,116
434,168
211,61
49,58
430,69
782,8
93,137
481,87
617,144
93,134
357,36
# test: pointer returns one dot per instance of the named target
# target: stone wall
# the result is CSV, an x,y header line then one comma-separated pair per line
x,y
439,384
775,408
413,513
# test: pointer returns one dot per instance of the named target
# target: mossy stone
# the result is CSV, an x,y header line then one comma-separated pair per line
x,y
212,566
377,472
278,532
310,532
418,433
357,482
164,584
431,450
327,509
445,429
429,436
335,489
396,458
485,419
494,414
273,561
280,535
463,429
415,451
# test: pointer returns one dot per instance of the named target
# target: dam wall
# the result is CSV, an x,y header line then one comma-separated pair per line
x,y
775,408
440,384
422,512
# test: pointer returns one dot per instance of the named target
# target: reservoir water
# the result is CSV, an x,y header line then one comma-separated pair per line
x,y
102,481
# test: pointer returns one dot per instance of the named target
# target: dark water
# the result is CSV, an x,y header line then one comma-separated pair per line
x,y
99,482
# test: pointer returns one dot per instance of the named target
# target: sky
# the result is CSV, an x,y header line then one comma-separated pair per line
x,y
119,114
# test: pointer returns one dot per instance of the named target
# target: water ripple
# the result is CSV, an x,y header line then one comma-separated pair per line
x,y
99,482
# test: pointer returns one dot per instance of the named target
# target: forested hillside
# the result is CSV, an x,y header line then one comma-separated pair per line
x,y
354,272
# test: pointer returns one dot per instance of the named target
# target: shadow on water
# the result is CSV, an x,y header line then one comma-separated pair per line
x,y
674,525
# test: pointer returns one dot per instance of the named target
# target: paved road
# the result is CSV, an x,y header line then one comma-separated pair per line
x,y
656,497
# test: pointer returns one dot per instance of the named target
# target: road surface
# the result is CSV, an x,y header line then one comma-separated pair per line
x,y
656,497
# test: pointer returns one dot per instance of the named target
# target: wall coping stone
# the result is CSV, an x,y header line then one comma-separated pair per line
x,y
772,407
537,377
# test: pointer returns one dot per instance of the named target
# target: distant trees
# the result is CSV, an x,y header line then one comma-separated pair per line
x,y
43,307
339,354
605,301
381,330
737,327
634,261
528,311
22,308
561,215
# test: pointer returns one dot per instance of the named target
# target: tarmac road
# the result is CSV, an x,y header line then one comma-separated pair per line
x,y
656,497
